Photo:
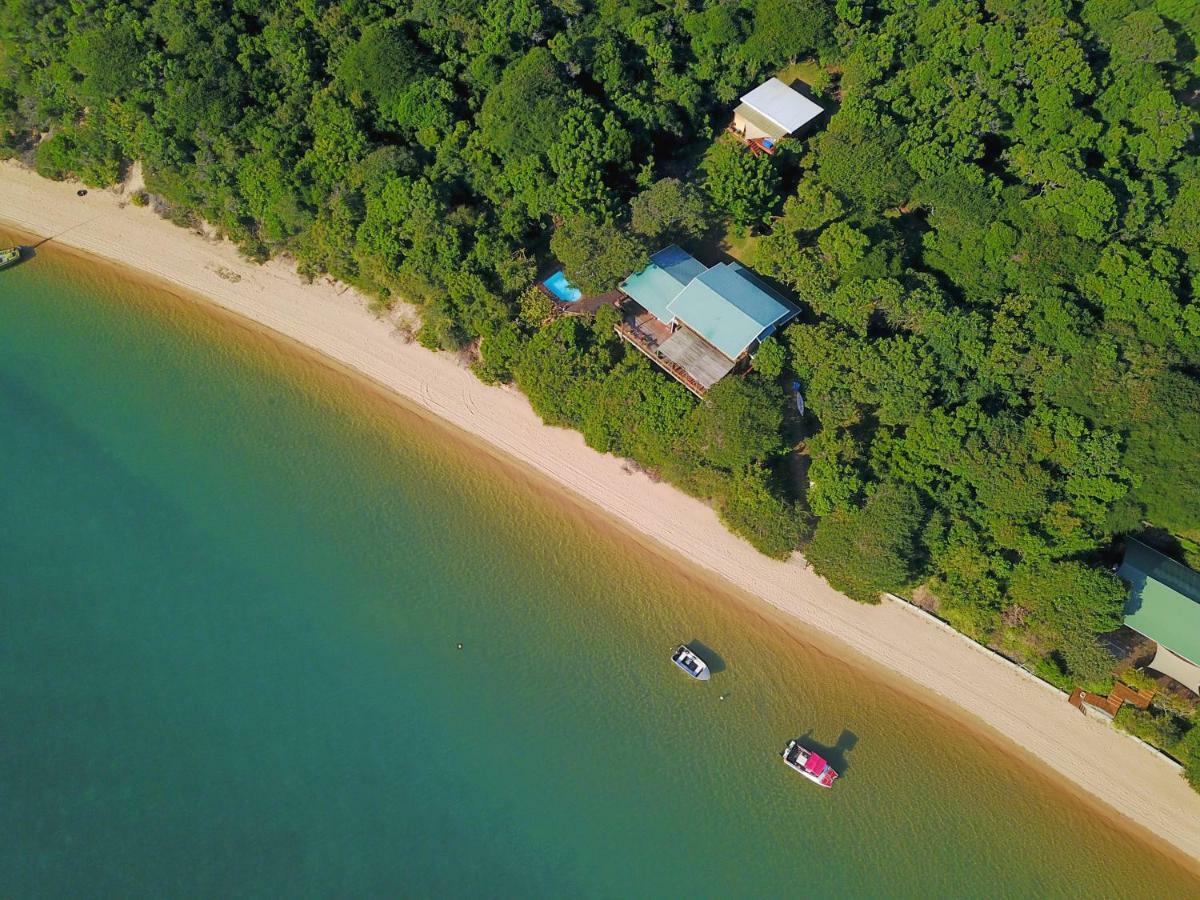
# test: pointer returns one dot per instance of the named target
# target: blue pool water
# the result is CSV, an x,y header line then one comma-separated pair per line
x,y
561,288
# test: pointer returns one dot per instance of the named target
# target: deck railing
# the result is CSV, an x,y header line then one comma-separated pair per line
x,y
756,145
649,345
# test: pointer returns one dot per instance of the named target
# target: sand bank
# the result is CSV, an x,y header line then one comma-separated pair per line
x,y
1089,756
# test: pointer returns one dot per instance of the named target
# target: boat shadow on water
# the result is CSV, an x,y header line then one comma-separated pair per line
x,y
716,664
29,251
837,754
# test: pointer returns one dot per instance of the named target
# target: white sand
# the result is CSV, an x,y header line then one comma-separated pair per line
x,y
1120,772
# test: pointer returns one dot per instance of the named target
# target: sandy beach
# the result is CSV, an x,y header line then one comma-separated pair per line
x,y
1083,754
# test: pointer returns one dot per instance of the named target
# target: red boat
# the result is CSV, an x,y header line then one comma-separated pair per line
x,y
808,764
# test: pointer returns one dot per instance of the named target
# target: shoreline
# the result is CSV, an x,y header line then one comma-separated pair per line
x,y
1137,785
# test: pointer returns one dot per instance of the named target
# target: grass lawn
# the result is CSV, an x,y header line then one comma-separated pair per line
x,y
720,244
806,70
740,248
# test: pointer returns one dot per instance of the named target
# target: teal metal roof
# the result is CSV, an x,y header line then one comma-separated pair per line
x,y
728,307
1164,600
669,272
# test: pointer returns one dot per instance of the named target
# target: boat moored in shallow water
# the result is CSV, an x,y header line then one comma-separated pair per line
x,y
691,663
809,764
9,256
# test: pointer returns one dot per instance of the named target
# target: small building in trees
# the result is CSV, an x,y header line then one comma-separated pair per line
x,y
771,112
1164,605
698,323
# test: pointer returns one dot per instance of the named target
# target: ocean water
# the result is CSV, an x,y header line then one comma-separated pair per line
x,y
233,581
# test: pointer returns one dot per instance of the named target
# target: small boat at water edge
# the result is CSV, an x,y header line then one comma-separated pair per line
x,y
691,663
9,256
809,764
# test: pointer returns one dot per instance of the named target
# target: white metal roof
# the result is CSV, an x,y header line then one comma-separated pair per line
x,y
788,108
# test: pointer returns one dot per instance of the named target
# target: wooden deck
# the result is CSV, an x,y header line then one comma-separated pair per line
x,y
1106,706
584,306
703,362
756,145
1109,706
1125,694
648,338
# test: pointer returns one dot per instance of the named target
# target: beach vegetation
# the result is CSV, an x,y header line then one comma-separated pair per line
x,y
869,550
1176,735
738,423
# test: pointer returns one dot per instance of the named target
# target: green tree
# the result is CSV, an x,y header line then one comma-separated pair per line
x,y
590,146
1142,37
784,30
864,552
108,58
669,211
500,349
738,424
522,115
387,70
1067,596
597,256
843,246
534,308
858,157
770,359
742,185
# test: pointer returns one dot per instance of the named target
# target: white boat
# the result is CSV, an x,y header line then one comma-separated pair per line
x,y
691,663
809,764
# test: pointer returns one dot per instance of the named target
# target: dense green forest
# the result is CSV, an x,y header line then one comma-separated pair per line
x,y
994,237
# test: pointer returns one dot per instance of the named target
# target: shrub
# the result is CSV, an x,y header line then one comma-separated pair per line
x,y
1065,595
500,348
770,359
864,552
1087,661
1187,751
752,510
1162,730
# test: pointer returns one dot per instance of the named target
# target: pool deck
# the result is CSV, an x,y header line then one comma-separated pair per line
x,y
584,306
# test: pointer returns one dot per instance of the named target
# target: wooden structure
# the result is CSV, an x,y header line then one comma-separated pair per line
x,y
1123,693
584,306
757,145
648,335
1108,707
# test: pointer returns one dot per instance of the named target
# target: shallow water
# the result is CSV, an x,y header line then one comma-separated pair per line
x,y
234,581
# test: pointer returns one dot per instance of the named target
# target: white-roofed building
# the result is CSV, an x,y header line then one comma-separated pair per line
x,y
770,113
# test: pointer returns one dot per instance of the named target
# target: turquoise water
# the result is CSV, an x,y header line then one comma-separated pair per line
x,y
234,582
561,288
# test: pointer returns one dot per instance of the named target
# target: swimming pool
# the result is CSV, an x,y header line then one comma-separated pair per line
x,y
558,285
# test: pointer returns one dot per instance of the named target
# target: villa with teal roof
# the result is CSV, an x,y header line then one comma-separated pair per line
x,y
698,323
1164,605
